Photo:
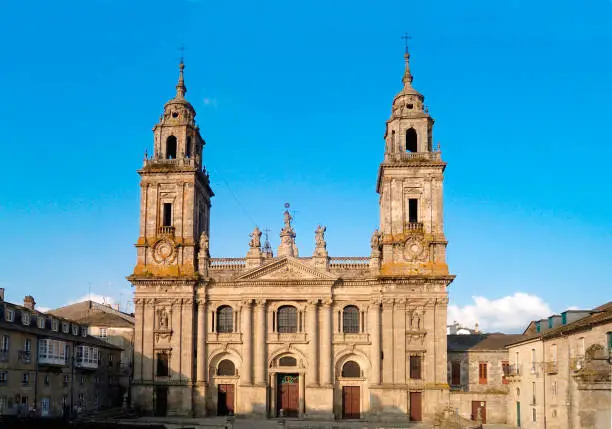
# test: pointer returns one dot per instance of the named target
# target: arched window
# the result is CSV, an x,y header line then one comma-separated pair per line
x,y
350,320
188,148
351,369
287,319
392,141
171,147
225,316
226,367
411,140
287,361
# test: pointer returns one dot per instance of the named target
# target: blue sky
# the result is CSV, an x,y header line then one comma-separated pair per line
x,y
292,100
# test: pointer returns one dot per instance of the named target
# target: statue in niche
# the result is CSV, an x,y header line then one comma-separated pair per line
x,y
204,243
416,321
320,237
255,238
376,240
163,320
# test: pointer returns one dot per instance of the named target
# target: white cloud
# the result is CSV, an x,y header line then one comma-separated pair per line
x,y
508,314
212,102
102,299
42,309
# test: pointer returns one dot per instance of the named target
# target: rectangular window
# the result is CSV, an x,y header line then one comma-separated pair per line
x,y
25,318
534,414
413,210
533,361
482,373
554,388
27,345
553,353
167,215
162,364
533,393
6,340
505,372
82,380
455,373
103,333
3,377
10,315
84,331
65,328
41,322
75,330
415,367
26,378
609,337
66,379
54,324
46,380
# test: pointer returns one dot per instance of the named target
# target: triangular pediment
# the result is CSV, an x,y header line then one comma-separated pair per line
x,y
286,269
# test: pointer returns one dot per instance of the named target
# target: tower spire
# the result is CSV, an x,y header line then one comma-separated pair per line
x,y
407,79
181,89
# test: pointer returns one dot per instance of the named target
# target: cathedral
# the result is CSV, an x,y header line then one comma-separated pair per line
x,y
278,334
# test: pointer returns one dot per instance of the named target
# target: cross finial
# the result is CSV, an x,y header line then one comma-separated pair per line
x,y
405,38
182,49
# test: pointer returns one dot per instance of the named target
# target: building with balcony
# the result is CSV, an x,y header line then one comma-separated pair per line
x,y
53,364
107,323
560,372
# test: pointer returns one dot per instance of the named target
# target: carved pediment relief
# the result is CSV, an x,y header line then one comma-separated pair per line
x,y
286,269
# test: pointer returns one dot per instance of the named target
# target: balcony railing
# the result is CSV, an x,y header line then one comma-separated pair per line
x,y
179,162
165,230
25,356
513,371
51,360
413,226
551,367
413,156
234,264
349,262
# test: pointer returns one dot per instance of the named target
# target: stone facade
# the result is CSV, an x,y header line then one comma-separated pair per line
x,y
315,336
560,377
44,370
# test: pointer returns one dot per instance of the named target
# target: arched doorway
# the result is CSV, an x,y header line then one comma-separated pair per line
x,y
351,394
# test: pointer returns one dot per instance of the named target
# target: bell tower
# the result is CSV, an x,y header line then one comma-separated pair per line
x,y
410,187
175,193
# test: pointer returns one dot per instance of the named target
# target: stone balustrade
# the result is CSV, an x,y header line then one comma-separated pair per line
x,y
413,156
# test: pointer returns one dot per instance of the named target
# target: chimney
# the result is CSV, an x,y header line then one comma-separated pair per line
x,y
1,294
28,302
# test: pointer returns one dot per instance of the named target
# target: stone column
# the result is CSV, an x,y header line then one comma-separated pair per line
x,y
139,304
312,376
388,340
259,358
247,362
201,346
326,342
399,341
374,325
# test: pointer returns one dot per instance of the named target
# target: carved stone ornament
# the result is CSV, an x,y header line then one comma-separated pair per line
x,y
415,249
164,251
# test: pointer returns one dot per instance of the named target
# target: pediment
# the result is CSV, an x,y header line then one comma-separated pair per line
x,y
286,269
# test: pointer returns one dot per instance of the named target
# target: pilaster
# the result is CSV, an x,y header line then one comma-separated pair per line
x,y
312,376
259,358
247,361
326,342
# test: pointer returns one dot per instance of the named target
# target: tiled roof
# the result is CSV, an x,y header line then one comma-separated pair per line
x,y
480,342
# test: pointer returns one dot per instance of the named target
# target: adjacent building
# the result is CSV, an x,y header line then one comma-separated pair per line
x,y
108,324
267,334
49,364
561,370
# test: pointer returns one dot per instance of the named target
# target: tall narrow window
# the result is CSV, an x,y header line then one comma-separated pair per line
x,y
553,353
415,367
171,148
533,393
287,319
455,373
505,372
482,373
167,215
350,320
225,319
162,364
188,148
413,210
411,140
609,337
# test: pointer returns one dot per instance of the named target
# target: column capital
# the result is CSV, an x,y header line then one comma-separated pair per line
x,y
388,302
201,302
246,302
400,303
313,302
375,303
260,302
326,302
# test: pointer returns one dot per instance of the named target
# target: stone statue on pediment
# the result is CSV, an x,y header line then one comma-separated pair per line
x,y
255,242
320,237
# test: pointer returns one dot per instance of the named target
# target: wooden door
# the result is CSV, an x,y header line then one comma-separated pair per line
x,y
288,397
479,407
518,414
225,400
351,402
415,406
161,401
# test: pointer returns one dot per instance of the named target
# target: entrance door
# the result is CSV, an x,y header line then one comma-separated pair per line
x,y
161,401
415,406
44,407
288,398
225,400
351,402
479,408
518,414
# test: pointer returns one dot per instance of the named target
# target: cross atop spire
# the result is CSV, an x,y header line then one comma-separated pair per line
x,y
405,38
407,79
